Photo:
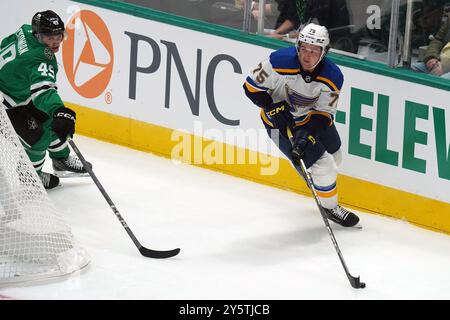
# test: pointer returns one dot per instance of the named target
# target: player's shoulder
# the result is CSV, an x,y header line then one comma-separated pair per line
x,y
27,28
43,54
285,61
330,74
25,33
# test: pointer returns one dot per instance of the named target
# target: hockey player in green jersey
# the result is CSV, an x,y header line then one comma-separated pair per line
x,y
28,69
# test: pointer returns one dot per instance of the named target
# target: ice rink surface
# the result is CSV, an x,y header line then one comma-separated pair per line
x,y
238,240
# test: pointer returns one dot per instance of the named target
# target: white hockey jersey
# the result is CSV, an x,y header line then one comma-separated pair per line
x,y
282,77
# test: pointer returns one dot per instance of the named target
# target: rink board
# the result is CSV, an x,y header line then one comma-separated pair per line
x,y
353,192
136,77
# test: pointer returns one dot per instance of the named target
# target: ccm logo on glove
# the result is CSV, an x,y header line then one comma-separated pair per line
x,y
276,110
65,115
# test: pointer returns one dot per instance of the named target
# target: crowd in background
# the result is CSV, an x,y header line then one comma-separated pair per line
x,y
346,20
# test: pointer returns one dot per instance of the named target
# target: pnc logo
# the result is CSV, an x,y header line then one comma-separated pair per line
x,y
88,54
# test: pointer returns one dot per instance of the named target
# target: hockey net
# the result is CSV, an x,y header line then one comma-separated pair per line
x,y
35,242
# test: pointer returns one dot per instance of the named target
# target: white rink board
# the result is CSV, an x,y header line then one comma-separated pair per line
x,y
151,88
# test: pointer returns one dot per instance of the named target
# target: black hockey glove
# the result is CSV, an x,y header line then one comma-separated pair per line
x,y
279,115
64,123
302,140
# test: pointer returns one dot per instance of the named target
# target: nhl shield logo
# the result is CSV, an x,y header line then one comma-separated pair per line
x,y
308,79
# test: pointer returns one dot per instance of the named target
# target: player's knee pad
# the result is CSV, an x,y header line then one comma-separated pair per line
x,y
324,173
338,157
324,170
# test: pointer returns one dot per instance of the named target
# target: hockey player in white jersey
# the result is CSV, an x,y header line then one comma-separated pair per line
x,y
297,89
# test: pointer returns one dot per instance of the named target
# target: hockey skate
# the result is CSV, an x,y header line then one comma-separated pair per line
x,y
49,180
342,216
69,167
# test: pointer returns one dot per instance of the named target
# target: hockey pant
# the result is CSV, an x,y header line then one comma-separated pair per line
x,y
34,129
321,159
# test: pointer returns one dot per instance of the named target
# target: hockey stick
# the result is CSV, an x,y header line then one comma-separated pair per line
x,y
354,281
149,253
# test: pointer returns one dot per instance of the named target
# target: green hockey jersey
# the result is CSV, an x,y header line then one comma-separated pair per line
x,y
28,71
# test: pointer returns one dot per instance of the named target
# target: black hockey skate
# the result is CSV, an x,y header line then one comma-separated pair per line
x,y
69,167
342,216
49,180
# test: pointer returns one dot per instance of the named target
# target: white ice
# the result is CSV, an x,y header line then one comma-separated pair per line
x,y
238,239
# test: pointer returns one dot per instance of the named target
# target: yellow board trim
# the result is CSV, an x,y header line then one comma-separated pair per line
x,y
356,193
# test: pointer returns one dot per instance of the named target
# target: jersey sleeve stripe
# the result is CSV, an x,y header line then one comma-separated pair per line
x,y
254,84
6,103
10,103
36,92
302,121
41,84
252,88
327,82
286,71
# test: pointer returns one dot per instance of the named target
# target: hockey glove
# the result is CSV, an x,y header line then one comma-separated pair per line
x,y
302,140
279,115
64,123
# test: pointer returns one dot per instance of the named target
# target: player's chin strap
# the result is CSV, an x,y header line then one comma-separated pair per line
x,y
322,55
354,281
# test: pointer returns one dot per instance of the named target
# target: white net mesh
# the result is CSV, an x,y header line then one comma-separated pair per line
x,y
35,242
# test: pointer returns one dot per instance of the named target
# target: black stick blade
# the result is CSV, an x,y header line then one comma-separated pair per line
x,y
355,282
156,254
